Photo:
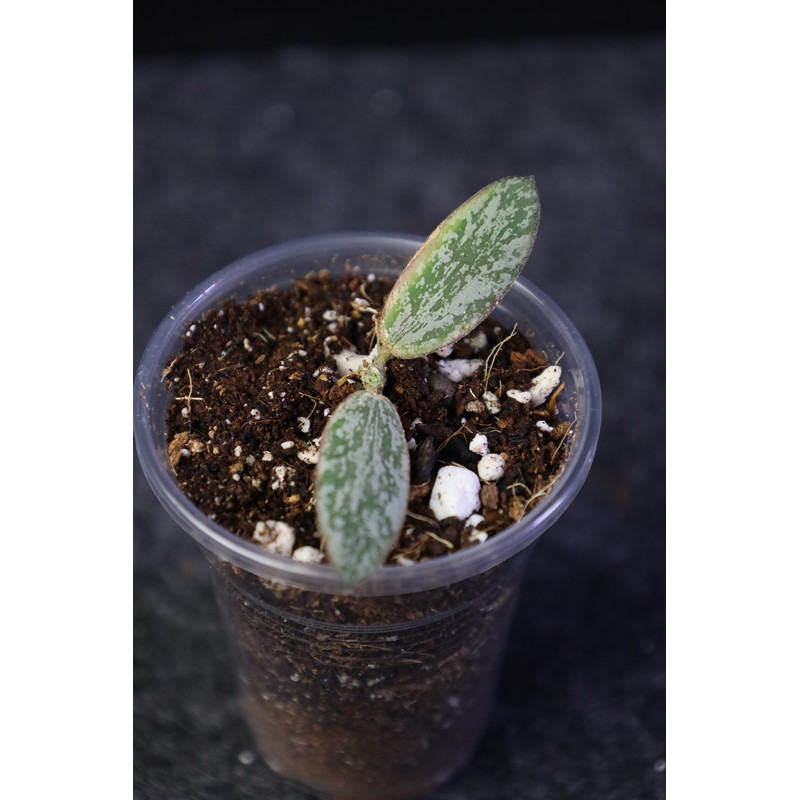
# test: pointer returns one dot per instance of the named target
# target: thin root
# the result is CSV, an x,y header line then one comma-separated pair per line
x,y
188,398
490,359
451,436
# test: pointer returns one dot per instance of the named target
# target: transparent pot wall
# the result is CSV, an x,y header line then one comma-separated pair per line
x,y
388,701
382,691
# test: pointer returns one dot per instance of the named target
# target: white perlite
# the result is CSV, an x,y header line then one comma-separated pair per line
x,y
455,493
544,384
308,555
456,369
477,537
519,396
492,402
479,444
280,476
491,467
473,521
348,362
477,341
543,426
310,455
275,536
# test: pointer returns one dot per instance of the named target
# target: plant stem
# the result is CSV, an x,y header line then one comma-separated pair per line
x,y
374,376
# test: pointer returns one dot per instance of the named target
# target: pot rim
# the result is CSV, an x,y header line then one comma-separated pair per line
x,y
389,579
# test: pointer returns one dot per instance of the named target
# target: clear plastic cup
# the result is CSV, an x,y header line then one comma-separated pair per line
x,y
382,691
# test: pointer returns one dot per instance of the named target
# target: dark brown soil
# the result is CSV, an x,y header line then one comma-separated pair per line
x,y
254,384
368,698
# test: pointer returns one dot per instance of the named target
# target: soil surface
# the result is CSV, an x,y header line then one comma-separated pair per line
x,y
256,380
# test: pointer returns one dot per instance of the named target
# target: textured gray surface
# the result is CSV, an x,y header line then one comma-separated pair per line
x,y
233,154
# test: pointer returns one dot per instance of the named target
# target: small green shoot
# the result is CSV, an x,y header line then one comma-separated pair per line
x,y
448,287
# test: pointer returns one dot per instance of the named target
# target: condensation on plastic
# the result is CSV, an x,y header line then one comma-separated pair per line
x,y
535,314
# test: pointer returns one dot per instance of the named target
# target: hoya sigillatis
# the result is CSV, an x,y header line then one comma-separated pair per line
x,y
449,286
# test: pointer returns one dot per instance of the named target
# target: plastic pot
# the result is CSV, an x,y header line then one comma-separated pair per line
x,y
382,691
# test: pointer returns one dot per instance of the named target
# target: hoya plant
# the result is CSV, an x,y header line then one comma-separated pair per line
x,y
448,287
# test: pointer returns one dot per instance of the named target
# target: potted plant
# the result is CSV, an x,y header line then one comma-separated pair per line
x,y
368,639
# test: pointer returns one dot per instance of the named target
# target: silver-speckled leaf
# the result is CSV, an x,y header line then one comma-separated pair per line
x,y
361,484
463,269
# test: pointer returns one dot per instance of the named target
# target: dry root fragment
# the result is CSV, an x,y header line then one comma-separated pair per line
x,y
177,444
517,508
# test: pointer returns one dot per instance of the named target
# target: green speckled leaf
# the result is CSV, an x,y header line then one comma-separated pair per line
x,y
361,484
463,269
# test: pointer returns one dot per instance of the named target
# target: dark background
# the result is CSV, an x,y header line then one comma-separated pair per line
x,y
203,27
259,125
